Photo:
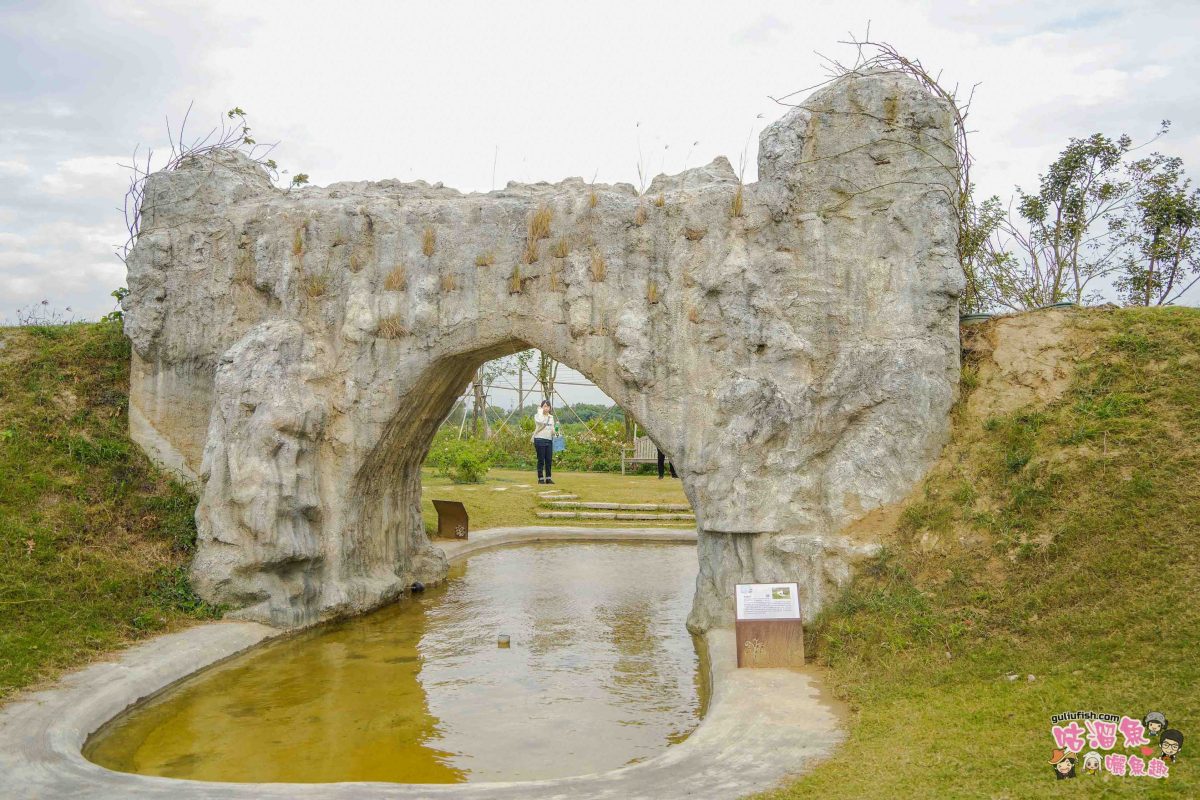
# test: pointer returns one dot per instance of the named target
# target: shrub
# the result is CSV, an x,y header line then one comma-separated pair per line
x,y
461,460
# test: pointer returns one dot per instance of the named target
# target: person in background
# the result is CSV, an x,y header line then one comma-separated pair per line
x,y
543,441
662,461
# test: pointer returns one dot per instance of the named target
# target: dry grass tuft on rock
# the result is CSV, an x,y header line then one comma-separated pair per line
x,y
539,223
298,242
316,285
660,201
429,241
737,206
396,280
561,249
485,259
391,328
652,293
530,254
598,268
515,282
449,282
639,216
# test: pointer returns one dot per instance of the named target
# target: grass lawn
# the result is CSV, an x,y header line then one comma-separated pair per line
x,y
509,497
1058,541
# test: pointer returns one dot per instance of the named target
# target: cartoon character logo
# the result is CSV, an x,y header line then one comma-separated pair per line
x,y
1063,762
1091,763
1171,744
1156,723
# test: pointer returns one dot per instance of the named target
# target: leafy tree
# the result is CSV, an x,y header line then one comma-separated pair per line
x,y
988,269
1080,192
1162,250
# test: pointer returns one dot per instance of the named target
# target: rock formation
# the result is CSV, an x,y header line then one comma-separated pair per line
x,y
792,344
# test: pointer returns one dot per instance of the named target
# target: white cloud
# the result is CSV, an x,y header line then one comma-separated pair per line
x,y
764,29
371,90
92,175
14,169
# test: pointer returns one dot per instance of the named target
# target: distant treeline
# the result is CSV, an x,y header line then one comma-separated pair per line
x,y
576,412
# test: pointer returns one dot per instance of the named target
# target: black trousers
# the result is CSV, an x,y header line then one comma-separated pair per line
x,y
545,456
662,461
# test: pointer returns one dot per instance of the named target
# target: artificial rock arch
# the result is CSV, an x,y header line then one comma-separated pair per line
x,y
294,351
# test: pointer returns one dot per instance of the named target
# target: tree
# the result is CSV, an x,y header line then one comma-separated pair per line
x,y
990,270
522,359
479,409
1159,229
1082,190
547,371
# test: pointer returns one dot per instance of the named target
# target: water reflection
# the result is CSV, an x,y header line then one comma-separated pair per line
x,y
601,673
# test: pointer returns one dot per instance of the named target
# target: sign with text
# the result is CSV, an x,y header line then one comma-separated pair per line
x,y
768,629
759,601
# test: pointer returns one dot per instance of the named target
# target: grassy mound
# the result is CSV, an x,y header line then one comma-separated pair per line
x,y
1056,543
94,540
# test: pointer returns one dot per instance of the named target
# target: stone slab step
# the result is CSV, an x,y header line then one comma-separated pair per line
x,y
557,496
555,502
615,515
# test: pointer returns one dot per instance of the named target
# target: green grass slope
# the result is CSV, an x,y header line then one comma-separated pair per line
x,y
94,541
1058,541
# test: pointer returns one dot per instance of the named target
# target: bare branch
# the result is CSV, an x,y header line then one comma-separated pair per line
x,y
231,135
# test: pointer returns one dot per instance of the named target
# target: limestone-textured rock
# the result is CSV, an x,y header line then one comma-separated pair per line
x,y
296,350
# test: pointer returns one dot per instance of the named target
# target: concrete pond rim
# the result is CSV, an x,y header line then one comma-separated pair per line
x,y
761,727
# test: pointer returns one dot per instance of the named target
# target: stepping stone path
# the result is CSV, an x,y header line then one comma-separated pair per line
x,y
619,506
555,495
569,507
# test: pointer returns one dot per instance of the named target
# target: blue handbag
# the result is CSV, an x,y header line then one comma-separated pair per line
x,y
560,444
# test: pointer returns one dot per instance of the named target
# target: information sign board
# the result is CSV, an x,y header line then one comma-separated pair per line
x,y
768,601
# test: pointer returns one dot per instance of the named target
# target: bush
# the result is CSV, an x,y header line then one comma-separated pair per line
x,y
461,460
597,450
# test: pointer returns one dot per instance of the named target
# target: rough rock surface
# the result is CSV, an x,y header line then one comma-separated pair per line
x,y
294,351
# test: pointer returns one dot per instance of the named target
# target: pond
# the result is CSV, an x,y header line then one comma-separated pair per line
x,y
600,673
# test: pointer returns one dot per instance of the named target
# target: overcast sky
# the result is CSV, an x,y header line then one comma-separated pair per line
x,y
534,91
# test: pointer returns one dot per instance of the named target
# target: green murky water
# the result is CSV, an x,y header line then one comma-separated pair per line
x,y
601,673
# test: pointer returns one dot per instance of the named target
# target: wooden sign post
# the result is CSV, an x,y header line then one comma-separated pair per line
x,y
768,627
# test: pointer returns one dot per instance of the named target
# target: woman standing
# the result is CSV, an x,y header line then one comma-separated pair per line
x,y
543,441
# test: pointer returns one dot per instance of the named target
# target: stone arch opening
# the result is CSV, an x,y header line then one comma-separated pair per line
x,y
385,493
792,344
388,482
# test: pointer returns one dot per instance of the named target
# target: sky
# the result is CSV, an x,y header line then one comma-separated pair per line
x,y
477,94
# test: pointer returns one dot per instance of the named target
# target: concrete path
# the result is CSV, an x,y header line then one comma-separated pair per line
x,y
762,726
